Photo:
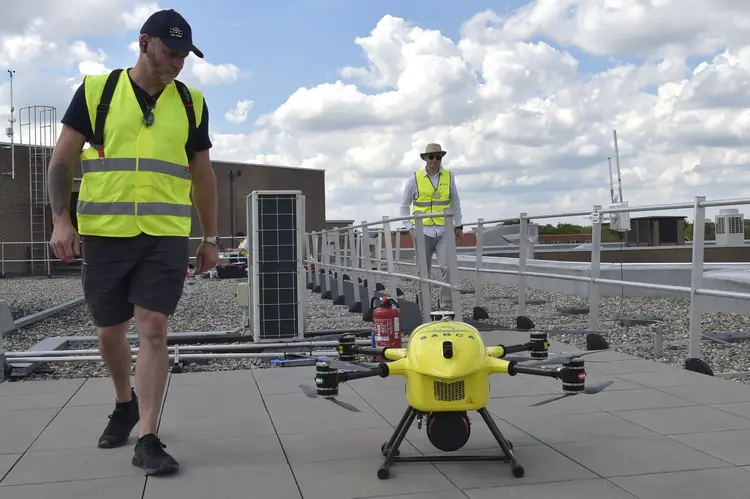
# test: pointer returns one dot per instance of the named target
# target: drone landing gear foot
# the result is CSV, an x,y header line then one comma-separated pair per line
x,y
505,445
391,452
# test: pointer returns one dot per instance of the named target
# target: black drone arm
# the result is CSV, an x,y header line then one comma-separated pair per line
x,y
378,352
381,370
514,368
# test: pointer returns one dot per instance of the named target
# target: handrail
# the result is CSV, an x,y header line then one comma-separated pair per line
x,y
365,258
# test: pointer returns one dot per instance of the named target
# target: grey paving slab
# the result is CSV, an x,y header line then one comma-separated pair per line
x,y
721,483
19,429
111,488
658,431
571,489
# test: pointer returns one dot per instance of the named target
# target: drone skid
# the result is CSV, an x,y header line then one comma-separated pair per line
x,y
390,449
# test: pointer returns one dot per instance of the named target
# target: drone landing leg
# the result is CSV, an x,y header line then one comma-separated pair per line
x,y
390,448
516,468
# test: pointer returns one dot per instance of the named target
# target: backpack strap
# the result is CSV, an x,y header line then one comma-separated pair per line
x,y
187,101
102,109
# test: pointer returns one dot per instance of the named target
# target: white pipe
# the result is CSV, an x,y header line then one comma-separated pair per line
x,y
186,348
189,356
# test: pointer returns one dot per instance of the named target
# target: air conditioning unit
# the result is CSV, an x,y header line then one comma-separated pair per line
x,y
276,278
730,227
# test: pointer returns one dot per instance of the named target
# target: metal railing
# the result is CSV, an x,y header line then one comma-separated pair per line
x,y
320,257
19,247
363,253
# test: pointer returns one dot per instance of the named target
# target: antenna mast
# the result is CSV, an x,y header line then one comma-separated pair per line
x,y
10,130
617,160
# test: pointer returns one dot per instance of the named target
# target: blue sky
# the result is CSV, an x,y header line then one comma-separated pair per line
x,y
287,44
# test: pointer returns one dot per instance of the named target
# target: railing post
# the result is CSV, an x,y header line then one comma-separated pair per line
x,y
365,250
317,259
522,244
453,279
339,262
696,278
392,280
353,261
425,295
478,275
596,252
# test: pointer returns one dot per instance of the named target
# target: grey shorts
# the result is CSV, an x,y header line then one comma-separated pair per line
x,y
119,273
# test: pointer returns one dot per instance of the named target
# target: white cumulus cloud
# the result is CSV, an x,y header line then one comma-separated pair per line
x,y
524,102
526,123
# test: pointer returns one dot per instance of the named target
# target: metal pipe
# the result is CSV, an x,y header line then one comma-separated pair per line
x,y
189,356
186,348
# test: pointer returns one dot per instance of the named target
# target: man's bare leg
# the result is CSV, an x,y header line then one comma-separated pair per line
x,y
152,367
151,370
117,355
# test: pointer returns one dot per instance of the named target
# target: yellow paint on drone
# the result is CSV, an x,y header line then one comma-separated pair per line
x,y
435,383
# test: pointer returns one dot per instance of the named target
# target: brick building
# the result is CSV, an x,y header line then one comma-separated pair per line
x,y
25,216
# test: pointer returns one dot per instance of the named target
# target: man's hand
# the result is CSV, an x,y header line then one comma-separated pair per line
x,y
459,236
206,258
65,242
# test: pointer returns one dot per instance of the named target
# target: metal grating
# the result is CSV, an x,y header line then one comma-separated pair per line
x,y
276,277
449,392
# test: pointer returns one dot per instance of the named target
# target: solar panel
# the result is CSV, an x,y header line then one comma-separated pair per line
x,y
276,276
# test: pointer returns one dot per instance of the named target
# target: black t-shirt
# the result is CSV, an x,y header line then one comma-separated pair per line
x,y
77,115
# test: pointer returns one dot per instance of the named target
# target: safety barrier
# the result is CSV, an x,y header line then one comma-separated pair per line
x,y
364,255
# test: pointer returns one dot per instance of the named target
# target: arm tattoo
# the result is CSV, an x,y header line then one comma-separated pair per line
x,y
59,185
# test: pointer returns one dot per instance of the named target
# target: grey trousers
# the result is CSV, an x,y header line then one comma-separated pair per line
x,y
436,246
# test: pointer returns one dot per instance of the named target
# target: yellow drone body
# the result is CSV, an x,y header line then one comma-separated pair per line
x,y
447,367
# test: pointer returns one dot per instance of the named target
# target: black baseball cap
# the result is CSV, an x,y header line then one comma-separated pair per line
x,y
172,29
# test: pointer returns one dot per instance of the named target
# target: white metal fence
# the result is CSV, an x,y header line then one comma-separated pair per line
x,y
362,252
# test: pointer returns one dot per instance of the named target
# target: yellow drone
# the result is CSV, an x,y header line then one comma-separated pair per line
x,y
447,368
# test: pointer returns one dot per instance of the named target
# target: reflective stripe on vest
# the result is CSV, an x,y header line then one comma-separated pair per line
x,y
142,184
427,202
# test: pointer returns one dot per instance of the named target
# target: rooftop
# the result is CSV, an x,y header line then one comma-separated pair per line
x,y
658,431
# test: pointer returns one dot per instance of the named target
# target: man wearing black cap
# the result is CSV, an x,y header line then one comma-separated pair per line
x,y
134,216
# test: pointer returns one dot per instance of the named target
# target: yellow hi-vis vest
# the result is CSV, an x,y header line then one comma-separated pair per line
x,y
432,200
138,179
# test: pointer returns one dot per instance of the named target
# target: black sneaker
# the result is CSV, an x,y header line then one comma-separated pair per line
x,y
121,423
151,456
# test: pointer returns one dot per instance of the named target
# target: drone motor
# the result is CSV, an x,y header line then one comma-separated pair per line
x,y
326,380
573,376
448,431
538,345
346,347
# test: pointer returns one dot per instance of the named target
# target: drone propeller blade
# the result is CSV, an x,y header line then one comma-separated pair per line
x,y
547,401
588,390
313,394
344,405
562,358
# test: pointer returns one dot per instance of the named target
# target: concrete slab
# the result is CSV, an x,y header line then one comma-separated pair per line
x,y
658,431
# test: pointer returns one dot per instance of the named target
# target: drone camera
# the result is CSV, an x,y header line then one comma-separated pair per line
x,y
326,380
538,345
447,350
573,376
346,348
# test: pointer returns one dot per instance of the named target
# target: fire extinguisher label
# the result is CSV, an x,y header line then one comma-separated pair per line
x,y
396,328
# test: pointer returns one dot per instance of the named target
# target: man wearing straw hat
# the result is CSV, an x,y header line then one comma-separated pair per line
x,y
432,189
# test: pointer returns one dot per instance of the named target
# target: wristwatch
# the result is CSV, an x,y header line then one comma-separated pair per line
x,y
211,240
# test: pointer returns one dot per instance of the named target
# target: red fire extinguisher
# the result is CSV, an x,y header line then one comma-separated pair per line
x,y
387,324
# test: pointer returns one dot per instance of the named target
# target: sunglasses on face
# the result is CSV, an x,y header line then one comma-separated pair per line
x,y
434,156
